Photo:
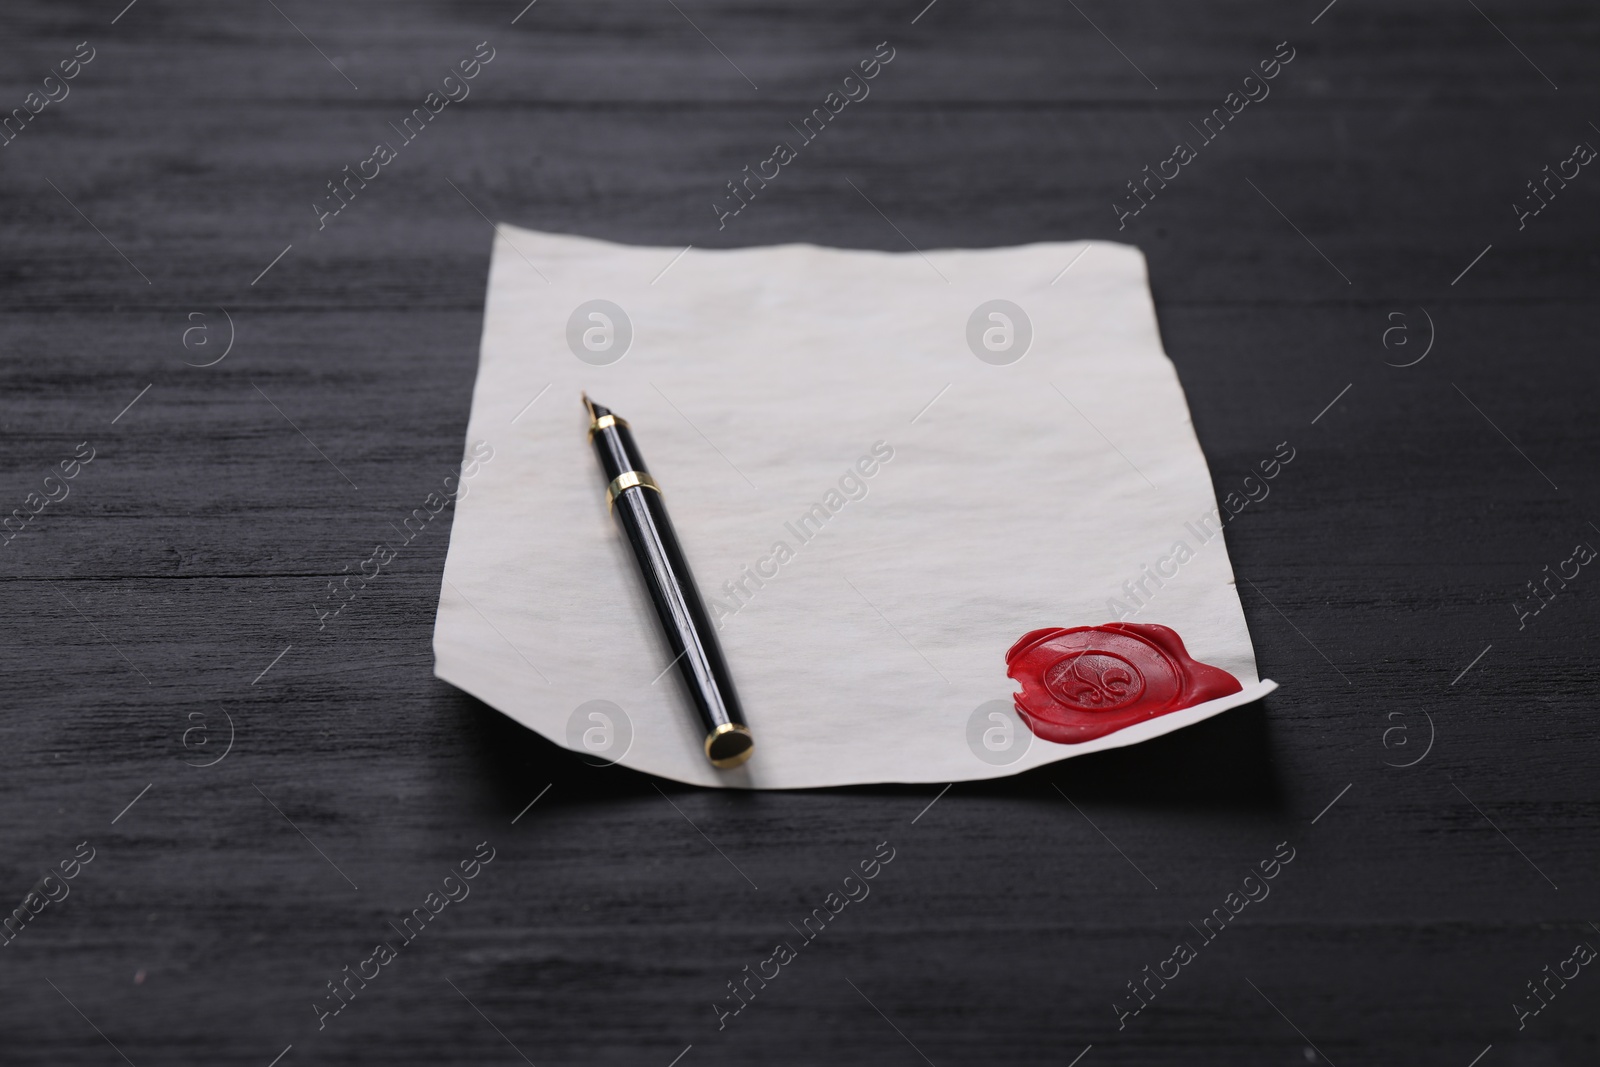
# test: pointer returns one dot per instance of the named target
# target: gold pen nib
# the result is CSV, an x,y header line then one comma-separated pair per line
x,y
588,405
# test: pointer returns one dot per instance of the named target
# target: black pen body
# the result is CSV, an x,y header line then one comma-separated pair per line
x,y
638,507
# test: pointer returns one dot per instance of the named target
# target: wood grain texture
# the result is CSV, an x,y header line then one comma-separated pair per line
x,y
189,553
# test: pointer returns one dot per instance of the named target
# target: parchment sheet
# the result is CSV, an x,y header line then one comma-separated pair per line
x,y
1004,497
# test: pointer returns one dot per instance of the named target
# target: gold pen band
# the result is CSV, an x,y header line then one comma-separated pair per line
x,y
627,480
738,747
606,420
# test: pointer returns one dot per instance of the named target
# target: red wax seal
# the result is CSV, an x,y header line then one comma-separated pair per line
x,y
1089,681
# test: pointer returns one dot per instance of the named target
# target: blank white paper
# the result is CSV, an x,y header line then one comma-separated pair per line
x,y
756,382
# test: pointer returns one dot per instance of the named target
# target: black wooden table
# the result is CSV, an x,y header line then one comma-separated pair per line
x,y
1428,763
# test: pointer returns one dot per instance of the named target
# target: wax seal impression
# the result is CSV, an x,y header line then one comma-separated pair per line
x,y
1090,681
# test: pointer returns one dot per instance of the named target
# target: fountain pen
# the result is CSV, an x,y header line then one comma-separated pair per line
x,y
635,501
